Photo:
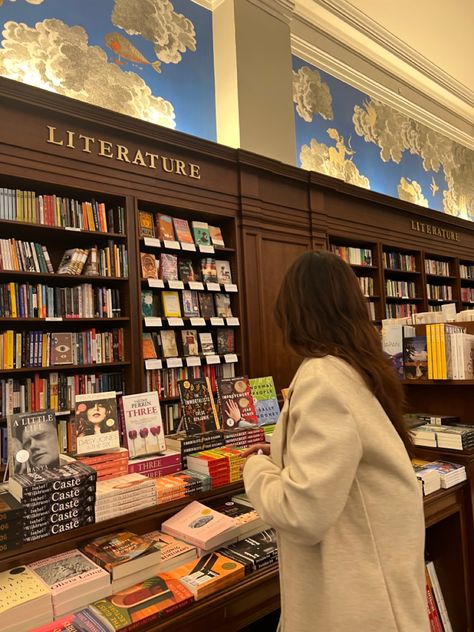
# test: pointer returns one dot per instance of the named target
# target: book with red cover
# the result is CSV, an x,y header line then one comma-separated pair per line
x,y
182,230
236,405
164,227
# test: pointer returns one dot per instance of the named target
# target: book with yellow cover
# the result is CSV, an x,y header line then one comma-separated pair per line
x,y
171,305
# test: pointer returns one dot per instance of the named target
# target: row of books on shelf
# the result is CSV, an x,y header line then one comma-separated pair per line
x,y
437,267
437,611
165,381
445,313
187,304
400,310
466,271
467,294
366,285
24,256
53,210
32,349
440,431
168,267
37,300
400,289
165,345
175,229
439,292
435,475
353,255
394,260
111,261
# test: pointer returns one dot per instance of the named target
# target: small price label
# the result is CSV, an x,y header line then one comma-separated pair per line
x,y
213,287
173,245
196,285
155,283
53,318
193,361
207,249
175,322
232,321
153,321
230,358
176,285
230,287
219,322
152,241
213,359
174,363
197,322
190,247
153,364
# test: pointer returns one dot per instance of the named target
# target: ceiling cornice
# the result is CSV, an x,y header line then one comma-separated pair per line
x,y
280,9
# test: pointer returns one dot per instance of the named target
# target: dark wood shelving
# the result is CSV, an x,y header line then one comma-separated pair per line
x,y
397,272
438,382
54,321
58,278
63,367
404,298
24,228
185,253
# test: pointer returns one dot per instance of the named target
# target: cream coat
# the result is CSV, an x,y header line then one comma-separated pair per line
x,y
341,492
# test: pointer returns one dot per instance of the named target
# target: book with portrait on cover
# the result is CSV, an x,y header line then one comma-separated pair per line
x,y
32,442
96,423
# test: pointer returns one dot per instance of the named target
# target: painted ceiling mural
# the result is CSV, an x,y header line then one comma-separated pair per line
x,y
151,59
344,133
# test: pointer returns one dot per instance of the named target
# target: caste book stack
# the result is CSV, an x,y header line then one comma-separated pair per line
x,y
11,521
121,495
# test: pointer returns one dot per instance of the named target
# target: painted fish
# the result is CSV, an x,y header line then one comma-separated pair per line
x,y
124,49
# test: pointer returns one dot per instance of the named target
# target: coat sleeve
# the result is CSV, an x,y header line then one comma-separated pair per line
x,y
305,497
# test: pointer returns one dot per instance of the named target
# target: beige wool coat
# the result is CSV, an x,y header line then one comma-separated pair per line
x,y
341,492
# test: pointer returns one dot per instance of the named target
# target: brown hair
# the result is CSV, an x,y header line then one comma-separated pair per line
x,y
322,311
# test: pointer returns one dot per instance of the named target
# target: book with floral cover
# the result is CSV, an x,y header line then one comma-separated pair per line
x,y
144,432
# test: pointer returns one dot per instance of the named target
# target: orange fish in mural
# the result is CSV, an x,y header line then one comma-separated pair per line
x,y
126,50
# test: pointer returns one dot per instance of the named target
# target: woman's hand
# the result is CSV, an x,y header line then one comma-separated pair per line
x,y
254,449
233,411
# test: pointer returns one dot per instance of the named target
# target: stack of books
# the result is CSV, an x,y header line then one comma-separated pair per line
x,y
450,473
55,500
429,478
186,445
174,552
11,521
453,437
122,495
254,552
157,465
128,558
175,486
224,465
24,600
108,465
245,517
73,580
244,437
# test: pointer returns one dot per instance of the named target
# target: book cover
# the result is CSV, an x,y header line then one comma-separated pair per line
x,y
66,263
265,399
164,225
208,270
149,351
146,227
144,432
174,552
415,358
236,405
201,233
168,267
147,303
190,342
171,305
168,343
114,552
223,308
259,550
224,274
95,423
19,586
10,509
61,348
32,442
225,340
186,270
197,406
190,303
81,621
149,268
181,228
216,236
206,304
207,344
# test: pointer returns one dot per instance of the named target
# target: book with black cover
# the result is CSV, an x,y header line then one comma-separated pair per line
x,y
198,410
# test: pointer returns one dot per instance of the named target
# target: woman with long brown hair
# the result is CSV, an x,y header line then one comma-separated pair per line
x,y
338,485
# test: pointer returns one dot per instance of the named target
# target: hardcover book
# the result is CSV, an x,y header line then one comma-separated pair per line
x,y
149,351
174,552
144,432
223,308
255,552
164,226
21,592
168,267
190,342
181,228
96,423
190,303
225,340
171,305
207,344
146,226
168,343
61,348
265,399
186,270
81,621
32,442
415,358
208,270
201,233
149,266
224,274
198,410
216,236
206,304
147,303
236,405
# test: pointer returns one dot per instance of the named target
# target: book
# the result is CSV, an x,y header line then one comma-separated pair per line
x,y
206,304
32,442
438,597
415,358
392,343
147,303
236,403
149,267
208,270
254,552
174,552
224,274
190,303
197,406
182,231
122,553
83,620
148,347
168,343
265,399
225,340
168,267
146,227
23,597
216,236
171,305
247,519
164,227
223,307
61,348
186,270
95,423
207,344
73,261
201,233
143,429
190,342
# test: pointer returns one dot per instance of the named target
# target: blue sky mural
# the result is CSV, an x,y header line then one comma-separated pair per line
x,y
152,59
346,134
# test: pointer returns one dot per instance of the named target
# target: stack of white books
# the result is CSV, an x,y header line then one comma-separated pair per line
x,y
25,601
122,495
429,477
450,473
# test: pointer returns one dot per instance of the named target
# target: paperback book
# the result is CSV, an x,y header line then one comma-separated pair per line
x,y
32,442
198,408
168,343
182,231
415,358
224,274
149,351
216,236
171,306
186,270
207,344
95,423
174,552
190,342
190,304
206,305
265,399
168,267
61,348
201,233
149,265
223,307
208,270
146,226
164,227
225,340
236,404
143,424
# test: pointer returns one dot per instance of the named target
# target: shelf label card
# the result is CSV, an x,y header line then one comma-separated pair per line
x,y
219,322
196,285
53,318
197,322
208,249
174,363
152,241
155,283
230,287
233,321
193,361
176,285
175,322
230,358
153,364
73,228
185,246
173,245
213,359
153,321
213,287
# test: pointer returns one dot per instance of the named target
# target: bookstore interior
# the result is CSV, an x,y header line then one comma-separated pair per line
x,y
139,359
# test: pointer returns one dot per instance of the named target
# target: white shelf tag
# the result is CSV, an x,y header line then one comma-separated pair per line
x,y
230,287
213,359
153,321
155,283
213,287
73,228
153,364
230,358
173,245
193,361
174,363
53,318
185,246
152,241
176,285
207,249
232,321
197,322
196,285
175,322
219,322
